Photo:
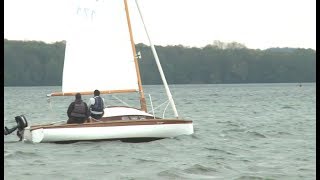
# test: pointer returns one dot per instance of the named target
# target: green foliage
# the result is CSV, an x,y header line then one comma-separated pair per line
x,y
32,63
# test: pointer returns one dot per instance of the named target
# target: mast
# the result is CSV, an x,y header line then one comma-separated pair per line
x,y
159,67
142,98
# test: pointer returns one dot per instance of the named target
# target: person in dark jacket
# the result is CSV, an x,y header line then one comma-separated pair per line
x,y
96,105
78,111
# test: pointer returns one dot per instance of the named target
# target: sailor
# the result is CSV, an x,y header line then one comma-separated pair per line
x,y
78,111
96,105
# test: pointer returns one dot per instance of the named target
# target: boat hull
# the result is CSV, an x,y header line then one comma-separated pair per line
x,y
138,130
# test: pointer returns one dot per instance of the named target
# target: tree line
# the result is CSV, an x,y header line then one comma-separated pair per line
x,y
34,63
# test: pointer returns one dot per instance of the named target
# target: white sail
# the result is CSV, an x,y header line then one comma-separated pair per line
x,y
98,50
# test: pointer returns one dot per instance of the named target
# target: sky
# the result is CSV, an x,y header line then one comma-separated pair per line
x,y
258,24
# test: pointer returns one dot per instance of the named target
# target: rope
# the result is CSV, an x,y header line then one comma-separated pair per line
x,y
50,107
161,105
120,100
151,106
49,102
52,113
165,110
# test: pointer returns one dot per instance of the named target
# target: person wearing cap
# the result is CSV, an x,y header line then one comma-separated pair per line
x,y
78,111
96,105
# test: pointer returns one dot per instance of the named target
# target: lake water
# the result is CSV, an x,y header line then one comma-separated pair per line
x,y
242,131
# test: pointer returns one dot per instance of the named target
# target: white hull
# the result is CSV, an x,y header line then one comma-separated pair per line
x,y
44,135
106,129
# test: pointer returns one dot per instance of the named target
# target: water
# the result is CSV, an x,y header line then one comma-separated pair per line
x,y
249,131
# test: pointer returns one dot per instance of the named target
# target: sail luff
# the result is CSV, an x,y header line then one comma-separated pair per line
x,y
159,66
142,98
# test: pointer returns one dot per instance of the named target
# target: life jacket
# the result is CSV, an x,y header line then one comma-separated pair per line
x,y
79,109
98,105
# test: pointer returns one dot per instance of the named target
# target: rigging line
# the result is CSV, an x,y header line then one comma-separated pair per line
x,y
120,100
152,106
164,111
160,105
50,105
159,66
51,114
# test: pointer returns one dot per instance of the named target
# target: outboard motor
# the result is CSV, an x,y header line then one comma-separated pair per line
x,y
21,124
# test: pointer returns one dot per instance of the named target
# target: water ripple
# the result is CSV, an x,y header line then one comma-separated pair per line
x,y
21,154
219,150
247,131
190,173
287,107
248,177
255,134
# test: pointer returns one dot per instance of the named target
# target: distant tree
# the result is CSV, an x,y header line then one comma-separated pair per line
x,y
34,63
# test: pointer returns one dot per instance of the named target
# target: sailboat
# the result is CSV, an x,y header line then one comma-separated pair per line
x,y
100,54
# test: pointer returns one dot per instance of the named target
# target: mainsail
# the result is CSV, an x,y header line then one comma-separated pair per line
x,y
98,51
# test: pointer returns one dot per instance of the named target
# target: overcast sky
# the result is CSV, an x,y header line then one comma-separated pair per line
x,y
258,24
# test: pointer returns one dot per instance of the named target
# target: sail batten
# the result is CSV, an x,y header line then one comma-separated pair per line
x,y
98,51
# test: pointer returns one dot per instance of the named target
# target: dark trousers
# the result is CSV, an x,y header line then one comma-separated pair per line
x,y
76,120
96,116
